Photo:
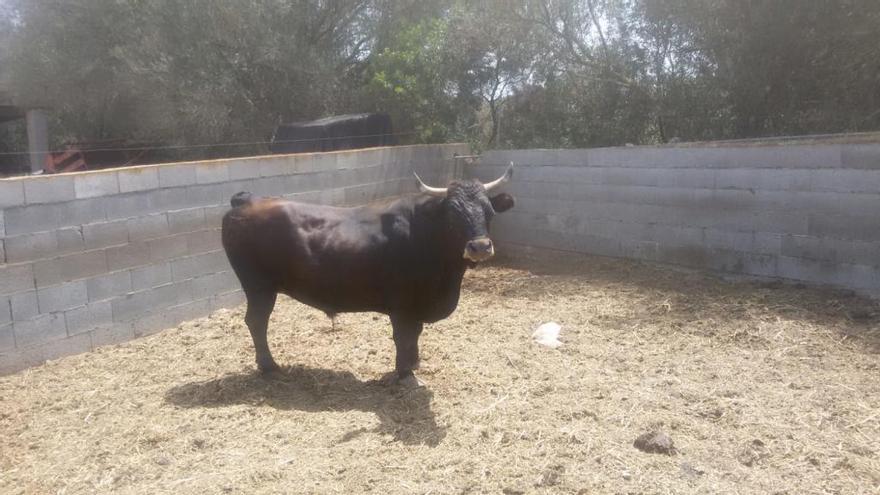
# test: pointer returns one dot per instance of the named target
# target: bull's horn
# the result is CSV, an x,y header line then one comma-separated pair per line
x,y
501,180
433,191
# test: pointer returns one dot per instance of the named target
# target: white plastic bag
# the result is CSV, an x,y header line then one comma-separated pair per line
x,y
548,335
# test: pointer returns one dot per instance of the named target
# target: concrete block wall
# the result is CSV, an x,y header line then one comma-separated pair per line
x,y
804,212
94,258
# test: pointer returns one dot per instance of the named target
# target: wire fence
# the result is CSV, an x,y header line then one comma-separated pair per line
x,y
211,145
14,163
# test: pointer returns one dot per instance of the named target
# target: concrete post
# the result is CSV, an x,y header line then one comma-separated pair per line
x,y
38,138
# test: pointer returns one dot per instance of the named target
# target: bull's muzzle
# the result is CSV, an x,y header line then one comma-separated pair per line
x,y
479,249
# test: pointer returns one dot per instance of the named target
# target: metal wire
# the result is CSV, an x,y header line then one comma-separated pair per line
x,y
200,146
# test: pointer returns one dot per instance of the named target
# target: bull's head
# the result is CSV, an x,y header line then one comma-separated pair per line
x,y
469,210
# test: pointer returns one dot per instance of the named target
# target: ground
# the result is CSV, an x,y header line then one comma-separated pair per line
x,y
761,387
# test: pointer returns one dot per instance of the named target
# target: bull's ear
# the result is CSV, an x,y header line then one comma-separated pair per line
x,y
502,202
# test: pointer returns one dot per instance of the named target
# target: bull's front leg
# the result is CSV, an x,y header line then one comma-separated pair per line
x,y
406,340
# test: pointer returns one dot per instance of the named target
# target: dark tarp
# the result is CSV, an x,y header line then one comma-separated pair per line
x,y
342,132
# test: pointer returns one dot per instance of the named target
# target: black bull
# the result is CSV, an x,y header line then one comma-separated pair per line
x,y
404,258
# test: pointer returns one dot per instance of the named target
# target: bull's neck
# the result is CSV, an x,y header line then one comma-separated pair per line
x,y
431,232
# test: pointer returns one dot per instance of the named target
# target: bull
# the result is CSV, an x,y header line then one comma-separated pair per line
x,y
405,258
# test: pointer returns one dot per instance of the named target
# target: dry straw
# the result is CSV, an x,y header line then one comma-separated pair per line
x,y
764,388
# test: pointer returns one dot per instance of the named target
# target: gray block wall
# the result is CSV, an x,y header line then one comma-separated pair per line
x,y
802,212
94,258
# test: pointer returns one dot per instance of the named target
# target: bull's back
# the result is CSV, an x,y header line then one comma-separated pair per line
x,y
329,258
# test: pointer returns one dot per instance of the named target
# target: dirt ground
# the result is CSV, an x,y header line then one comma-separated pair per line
x,y
762,387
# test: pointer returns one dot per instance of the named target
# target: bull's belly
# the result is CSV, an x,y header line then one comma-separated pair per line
x,y
340,300
347,291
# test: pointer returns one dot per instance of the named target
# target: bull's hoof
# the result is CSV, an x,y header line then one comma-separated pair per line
x,y
270,367
408,381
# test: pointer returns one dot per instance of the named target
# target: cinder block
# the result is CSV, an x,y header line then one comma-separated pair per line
x,y
767,243
70,267
88,317
243,169
109,285
272,167
128,205
297,163
847,180
334,197
24,305
807,270
11,192
116,333
70,240
188,311
849,203
133,305
94,184
151,323
214,216
189,220
176,175
227,300
203,241
49,189
39,330
151,276
829,249
32,218
211,172
200,264
739,262
170,247
62,297
640,250
7,339
267,187
323,162
58,348
865,156
294,183
348,161
733,241
5,310
779,157
138,178
128,256
856,227
171,198
148,227
80,212
16,278
207,195
103,234
686,255
29,247
213,284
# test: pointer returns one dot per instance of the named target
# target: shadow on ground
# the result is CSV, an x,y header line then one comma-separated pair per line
x,y
404,414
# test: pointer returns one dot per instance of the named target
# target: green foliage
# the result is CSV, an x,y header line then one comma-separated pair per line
x,y
496,73
406,79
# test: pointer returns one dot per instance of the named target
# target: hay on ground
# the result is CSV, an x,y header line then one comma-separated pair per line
x,y
764,388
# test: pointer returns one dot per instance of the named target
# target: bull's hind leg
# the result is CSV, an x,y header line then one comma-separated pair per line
x,y
406,341
259,307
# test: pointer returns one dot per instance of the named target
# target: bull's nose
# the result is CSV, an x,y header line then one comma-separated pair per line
x,y
479,249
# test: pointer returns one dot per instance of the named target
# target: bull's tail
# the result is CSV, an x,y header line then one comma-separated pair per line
x,y
241,199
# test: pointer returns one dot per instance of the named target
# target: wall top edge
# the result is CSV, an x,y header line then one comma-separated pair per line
x,y
222,161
